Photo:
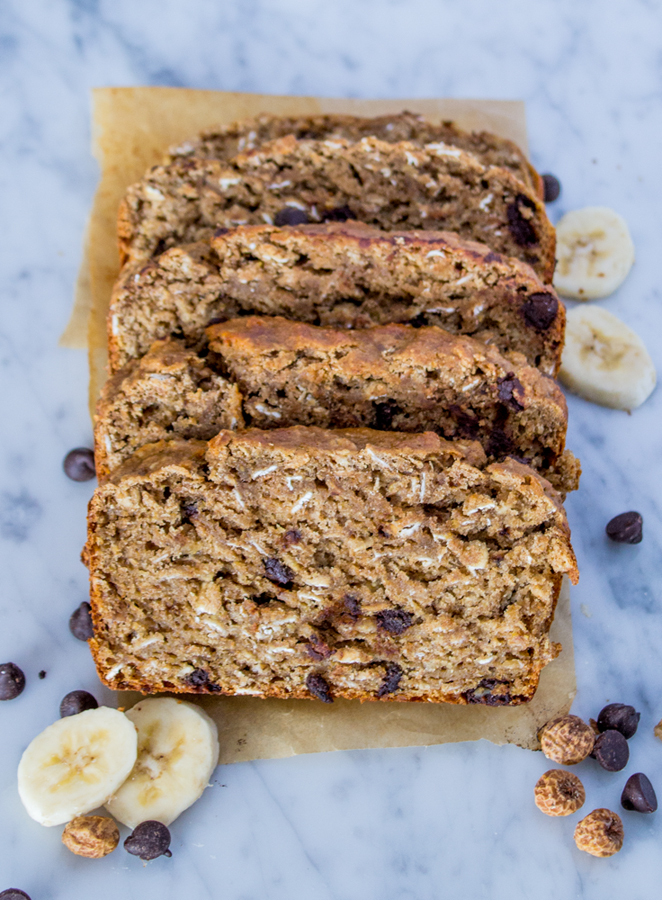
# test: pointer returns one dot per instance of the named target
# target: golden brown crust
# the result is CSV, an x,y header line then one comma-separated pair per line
x,y
388,185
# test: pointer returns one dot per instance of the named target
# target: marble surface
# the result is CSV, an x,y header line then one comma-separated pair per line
x,y
454,821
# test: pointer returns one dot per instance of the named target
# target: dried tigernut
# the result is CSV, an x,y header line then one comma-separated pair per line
x,y
600,833
559,793
91,836
567,740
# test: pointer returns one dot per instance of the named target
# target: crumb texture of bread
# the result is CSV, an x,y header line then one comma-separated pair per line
x,y
342,275
307,562
392,186
225,142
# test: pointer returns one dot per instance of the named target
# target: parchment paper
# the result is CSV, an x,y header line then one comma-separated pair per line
x,y
132,128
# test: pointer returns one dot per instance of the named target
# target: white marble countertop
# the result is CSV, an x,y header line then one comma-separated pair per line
x,y
454,821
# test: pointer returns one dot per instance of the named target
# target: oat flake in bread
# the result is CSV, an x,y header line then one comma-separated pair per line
x,y
341,275
224,142
392,186
305,562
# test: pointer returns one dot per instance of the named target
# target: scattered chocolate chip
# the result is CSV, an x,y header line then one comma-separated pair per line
x,y
319,687
638,794
395,621
149,840
290,215
76,702
509,388
79,464
42,674
352,605
278,572
489,691
197,678
293,536
14,894
390,681
220,232
619,717
338,214
552,187
611,751
520,225
627,528
12,681
384,413
80,622
540,310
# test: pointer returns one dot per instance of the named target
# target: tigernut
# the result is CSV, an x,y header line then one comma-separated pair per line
x,y
600,833
567,740
559,793
91,836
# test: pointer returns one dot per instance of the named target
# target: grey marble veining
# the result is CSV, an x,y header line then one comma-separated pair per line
x,y
455,821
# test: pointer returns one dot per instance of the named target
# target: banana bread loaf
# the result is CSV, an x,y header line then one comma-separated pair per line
x,y
392,377
224,142
286,182
342,274
302,563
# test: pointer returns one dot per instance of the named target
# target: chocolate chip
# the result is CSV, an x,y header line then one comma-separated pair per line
x,y
352,605
540,310
384,413
318,649
552,187
293,536
319,687
339,214
220,232
395,621
290,215
638,794
200,679
390,681
611,751
619,717
627,528
79,464
520,226
489,691
12,681
80,622
42,674
76,702
278,572
508,388
149,840
14,894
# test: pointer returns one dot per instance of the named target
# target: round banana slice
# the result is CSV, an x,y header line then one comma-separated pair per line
x,y
605,361
76,764
594,253
177,753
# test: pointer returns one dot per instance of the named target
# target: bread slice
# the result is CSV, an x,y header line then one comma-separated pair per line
x,y
303,563
338,274
224,142
393,377
393,186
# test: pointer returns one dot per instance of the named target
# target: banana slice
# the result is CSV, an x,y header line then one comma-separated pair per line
x,y
605,361
177,753
594,253
76,764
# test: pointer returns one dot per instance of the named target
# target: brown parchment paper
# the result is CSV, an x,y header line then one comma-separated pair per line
x,y
132,128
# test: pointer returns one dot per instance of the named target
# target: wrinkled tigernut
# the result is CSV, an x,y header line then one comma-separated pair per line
x,y
567,740
91,836
559,793
600,833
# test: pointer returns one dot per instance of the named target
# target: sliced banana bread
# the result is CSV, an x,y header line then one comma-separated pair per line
x,y
303,563
224,142
340,274
286,182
